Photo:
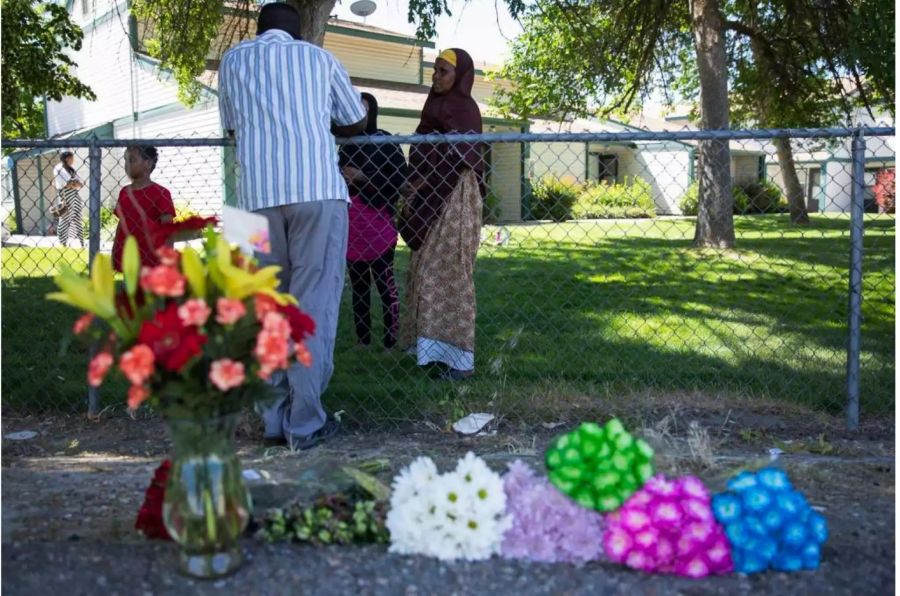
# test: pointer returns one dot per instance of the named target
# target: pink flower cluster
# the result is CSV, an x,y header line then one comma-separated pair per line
x,y
547,526
272,348
668,527
162,280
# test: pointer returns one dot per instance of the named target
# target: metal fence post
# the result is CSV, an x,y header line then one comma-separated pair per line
x,y
95,185
855,291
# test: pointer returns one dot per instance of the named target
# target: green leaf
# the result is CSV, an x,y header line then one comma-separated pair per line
x,y
373,486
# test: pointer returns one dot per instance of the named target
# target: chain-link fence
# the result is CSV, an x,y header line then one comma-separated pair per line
x,y
589,285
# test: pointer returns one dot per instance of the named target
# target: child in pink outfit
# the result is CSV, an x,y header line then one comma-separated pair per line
x,y
374,174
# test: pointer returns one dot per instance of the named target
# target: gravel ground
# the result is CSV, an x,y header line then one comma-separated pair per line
x,y
277,569
70,496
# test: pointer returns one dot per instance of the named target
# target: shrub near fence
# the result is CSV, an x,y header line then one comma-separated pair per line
x,y
632,199
553,198
757,198
560,200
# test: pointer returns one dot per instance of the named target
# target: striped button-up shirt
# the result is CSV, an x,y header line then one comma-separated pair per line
x,y
279,96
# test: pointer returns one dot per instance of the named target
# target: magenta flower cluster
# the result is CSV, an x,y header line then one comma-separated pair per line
x,y
668,527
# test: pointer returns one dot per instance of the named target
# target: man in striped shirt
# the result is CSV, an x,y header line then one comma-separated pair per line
x,y
284,100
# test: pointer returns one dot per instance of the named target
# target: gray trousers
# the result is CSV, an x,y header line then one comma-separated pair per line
x,y
309,243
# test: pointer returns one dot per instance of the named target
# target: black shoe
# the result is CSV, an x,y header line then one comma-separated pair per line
x,y
434,370
329,430
452,374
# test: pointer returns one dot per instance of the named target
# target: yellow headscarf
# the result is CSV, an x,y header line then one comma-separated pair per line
x,y
449,56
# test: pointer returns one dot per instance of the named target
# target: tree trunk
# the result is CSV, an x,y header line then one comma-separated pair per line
x,y
715,223
314,15
795,196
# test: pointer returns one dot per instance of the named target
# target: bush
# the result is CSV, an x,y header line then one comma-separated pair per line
x,y
757,197
10,223
885,190
741,200
765,197
490,209
108,220
632,199
689,203
553,198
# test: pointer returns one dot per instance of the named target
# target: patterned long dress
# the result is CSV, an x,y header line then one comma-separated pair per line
x,y
438,323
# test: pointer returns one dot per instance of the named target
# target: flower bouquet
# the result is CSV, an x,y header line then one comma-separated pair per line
x,y
197,337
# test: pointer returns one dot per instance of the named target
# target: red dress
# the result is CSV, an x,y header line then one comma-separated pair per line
x,y
140,212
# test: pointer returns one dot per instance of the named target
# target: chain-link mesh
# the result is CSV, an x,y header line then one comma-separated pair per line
x,y
590,283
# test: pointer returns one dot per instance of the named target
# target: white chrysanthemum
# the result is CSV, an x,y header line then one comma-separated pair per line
x,y
482,487
457,515
413,480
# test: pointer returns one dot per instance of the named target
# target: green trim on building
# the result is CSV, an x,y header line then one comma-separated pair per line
x,y
887,158
587,161
421,69
17,203
524,184
478,71
867,160
46,116
692,158
408,113
132,30
636,129
761,168
144,115
823,181
42,223
351,32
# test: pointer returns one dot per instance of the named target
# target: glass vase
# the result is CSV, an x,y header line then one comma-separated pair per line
x,y
207,506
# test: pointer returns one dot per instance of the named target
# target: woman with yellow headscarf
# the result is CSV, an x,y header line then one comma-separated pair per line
x,y
441,223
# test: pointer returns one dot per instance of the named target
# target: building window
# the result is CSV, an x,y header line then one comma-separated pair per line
x,y
87,6
608,168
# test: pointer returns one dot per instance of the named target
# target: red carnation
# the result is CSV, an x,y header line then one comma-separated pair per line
x,y
149,518
173,343
302,325
185,229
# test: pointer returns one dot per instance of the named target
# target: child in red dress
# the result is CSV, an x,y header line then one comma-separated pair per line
x,y
143,205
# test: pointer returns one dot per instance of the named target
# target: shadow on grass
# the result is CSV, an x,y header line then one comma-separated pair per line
x,y
591,318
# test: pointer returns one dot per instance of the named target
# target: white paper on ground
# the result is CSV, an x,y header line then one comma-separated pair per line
x,y
472,423
251,475
250,231
22,435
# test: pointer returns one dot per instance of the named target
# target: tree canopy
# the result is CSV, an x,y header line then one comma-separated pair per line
x,y
36,63
583,58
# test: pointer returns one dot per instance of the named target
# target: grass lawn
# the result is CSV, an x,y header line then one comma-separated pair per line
x,y
574,313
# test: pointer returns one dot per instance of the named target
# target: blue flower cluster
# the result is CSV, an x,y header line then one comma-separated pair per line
x,y
769,524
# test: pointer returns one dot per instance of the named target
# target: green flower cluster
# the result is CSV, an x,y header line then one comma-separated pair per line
x,y
599,467
331,519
